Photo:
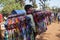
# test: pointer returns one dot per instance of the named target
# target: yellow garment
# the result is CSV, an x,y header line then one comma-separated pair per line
x,y
17,20
10,22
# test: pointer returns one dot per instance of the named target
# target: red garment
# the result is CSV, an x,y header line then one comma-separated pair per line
x,y
17,21
36,17
10,21
1,18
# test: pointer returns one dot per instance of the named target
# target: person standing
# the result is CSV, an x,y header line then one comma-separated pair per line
x,y
58,15
30,11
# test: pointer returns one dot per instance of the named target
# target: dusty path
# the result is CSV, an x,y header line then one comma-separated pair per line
x,y
53,32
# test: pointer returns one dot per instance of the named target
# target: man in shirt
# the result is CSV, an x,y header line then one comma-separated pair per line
x,y
29,10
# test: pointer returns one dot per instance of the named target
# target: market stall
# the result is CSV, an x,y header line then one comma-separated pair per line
x,y
20,27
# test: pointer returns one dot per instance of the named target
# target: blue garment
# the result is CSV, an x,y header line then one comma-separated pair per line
x,y
19,12
6,35
24,33
6,22
41,26
28,28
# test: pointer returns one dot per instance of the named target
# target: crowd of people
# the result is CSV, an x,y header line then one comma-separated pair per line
x,y
26,27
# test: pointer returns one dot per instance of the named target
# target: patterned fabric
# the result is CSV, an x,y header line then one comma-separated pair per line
x,y
9,21
17,21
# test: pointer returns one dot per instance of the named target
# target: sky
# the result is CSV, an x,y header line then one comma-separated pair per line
x,y
54,3
51,3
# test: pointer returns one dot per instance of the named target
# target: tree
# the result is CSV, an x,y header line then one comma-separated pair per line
x,y
22,2
43,4
10,5
58,9
55,9
33,3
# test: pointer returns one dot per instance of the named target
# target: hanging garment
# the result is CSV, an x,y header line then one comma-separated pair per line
x,y
41,26
9,21
35,18
28,38
17,21
6,35
1,18
11,26
13,21
9,34
28,29
32,36
16,35
45,26
24,33
38,16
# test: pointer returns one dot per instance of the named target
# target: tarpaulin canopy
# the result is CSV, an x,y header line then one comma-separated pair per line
x,y
18,12
15,13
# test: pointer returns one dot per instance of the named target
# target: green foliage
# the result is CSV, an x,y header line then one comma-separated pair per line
x,y
10,5
33,3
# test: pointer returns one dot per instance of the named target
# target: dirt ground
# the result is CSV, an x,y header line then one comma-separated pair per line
x,y
53,32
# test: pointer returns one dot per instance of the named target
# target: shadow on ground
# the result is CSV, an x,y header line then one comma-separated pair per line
x,y
41,38
58,35
43,35
58,30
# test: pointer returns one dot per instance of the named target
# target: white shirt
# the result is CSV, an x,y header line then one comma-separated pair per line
x,y
2,26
